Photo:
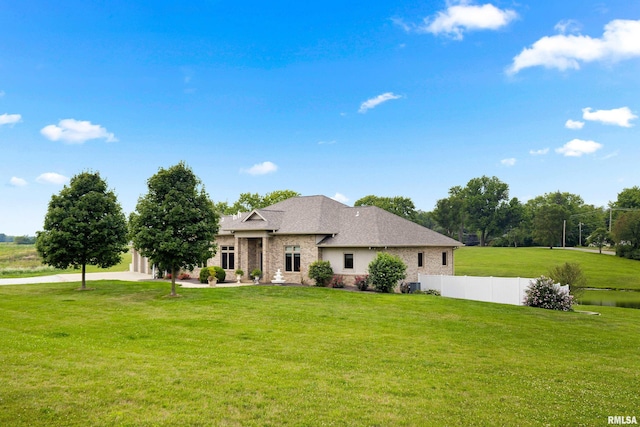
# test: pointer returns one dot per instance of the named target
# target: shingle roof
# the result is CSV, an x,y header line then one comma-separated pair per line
x,y
362,226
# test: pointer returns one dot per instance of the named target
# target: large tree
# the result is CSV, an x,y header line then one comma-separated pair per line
x,y
84,225
484,197
626,233
450,213
548,224
401,206
175,223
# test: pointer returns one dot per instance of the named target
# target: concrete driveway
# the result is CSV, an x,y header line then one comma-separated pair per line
x,y
125,276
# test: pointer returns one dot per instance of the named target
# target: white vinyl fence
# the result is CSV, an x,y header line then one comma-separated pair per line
x,y
503,290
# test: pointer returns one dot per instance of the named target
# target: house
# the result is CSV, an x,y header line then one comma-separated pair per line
x,y
292,234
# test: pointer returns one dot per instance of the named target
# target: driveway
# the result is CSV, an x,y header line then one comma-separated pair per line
x,y
124,275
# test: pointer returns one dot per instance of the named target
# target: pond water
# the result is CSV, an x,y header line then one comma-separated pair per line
x,y
611,298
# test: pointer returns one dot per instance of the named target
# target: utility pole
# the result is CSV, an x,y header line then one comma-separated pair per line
x,y
580,238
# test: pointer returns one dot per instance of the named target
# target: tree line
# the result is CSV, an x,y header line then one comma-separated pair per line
x,y
483,213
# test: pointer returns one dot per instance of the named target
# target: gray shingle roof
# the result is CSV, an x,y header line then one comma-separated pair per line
x,y
362,226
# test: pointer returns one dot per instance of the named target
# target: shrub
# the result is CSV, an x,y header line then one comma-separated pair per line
x,y
543,293
337,281
184,276
256,272
362,282
385,271
321,272
219,273
204,275
239,272
570,273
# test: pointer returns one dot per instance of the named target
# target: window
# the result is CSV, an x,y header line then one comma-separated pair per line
x,y
292,258
348,261
420,259
444,258
228,257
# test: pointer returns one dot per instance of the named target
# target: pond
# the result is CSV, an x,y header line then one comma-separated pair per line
x,y
608,297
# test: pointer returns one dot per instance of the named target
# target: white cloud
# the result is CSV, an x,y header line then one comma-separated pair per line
x,y
326,142
374,102
9,119
573,124
2,93
73,131
339,197
261,169
17,182
578,147
52,178
463,16
540,152
508,162
568,26
617,116
620,40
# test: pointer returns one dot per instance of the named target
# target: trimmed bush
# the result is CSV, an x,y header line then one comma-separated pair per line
x,y
543,293
219,273
385,271
204,275
321,272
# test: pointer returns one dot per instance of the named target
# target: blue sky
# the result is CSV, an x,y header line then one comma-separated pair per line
x,y
344,98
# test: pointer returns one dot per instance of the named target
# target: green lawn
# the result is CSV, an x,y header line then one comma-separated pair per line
x,y
602,271
125,354
24,261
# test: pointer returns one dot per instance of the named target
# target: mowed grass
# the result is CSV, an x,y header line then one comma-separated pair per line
x,y
24,261
124,354
602,271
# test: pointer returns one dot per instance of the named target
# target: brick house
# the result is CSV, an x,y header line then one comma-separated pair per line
x,y
292,234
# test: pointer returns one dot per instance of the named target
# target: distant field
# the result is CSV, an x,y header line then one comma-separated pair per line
x,y
125,354
602,271
24,261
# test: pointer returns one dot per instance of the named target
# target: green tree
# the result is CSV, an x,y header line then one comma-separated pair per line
x,y
401,206
483,198
629,198
450,213
548,224
599,238
175,223
84,225
626,234
249,201
385,271
575,212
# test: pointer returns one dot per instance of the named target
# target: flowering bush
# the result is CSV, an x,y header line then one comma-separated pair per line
x,y
337,281
361,282
543,293
184,276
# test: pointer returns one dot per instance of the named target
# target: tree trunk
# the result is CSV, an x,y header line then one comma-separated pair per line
x,y
84,273
173,281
